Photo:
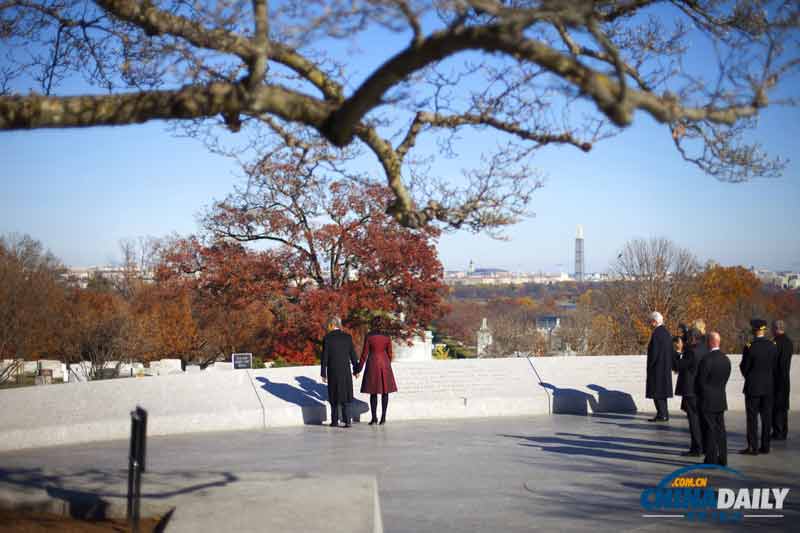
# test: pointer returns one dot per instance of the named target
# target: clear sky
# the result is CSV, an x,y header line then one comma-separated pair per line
x,y
81,191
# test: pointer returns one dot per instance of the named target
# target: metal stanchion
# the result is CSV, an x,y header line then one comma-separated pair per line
x,y
136,464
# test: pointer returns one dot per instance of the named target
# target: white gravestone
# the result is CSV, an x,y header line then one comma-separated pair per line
x,y
79,372
54,366
420,349
167,367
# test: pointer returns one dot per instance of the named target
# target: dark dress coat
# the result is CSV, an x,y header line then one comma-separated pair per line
x,y
378,375
759,360
338,354
713,372
785,349
687,370
659,364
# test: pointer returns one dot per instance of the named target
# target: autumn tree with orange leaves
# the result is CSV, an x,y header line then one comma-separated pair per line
x,y
329,249
727,298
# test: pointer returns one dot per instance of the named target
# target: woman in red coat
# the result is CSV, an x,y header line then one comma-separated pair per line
x,y
378,376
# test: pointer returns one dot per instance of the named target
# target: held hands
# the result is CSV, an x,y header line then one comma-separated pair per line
x,y
356,374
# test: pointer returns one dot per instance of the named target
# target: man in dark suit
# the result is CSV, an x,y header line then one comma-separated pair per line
x,y
780,411
659,367
338,357
713,372
685,388
758,368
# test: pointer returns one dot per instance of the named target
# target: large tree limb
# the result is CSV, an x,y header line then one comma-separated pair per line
x,y
193,101
599,87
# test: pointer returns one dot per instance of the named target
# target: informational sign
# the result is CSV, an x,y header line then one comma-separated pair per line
x,y
242,360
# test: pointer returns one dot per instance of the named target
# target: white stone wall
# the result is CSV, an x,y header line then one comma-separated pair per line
x,y
426,389
587,384
100,410
214,400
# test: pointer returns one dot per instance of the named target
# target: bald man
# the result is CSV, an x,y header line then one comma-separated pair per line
x,y
713,373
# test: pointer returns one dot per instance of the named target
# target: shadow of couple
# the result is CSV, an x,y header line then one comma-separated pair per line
x,y
311,396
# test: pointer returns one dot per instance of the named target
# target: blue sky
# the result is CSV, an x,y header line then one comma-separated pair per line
x,y
81,191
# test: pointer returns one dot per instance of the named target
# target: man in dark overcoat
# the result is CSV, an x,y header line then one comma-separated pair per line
x,y
780,410
659,367
338,361
713,373
759,359
685,388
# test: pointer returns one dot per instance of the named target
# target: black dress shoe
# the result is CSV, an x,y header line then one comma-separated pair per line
x,y
334,424
373,421
658,419
348,425
382,422
763,450
748,451
691,453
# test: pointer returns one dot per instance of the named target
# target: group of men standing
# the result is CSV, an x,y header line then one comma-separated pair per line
x,y
703,372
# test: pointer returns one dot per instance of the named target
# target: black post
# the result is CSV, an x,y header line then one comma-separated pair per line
x,y
136,464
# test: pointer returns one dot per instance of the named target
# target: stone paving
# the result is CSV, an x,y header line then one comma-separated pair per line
x,y
539,473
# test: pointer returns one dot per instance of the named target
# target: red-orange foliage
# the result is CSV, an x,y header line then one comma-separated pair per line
x,y
333,251
726,298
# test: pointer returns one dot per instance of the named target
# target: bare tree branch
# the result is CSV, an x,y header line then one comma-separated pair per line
x,y
515,68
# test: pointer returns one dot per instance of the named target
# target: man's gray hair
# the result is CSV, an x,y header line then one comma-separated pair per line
x,y
779,325
659,319
335,322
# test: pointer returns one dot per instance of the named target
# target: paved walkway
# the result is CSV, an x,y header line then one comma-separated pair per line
x,y
546,473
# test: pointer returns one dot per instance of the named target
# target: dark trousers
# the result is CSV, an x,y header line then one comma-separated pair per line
x,y
661,407
345,413
703,425
716,439
696,439
758,406
780,423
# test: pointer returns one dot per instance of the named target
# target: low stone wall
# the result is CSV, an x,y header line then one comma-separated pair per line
x,y
71,413
594,384
256,399
430,389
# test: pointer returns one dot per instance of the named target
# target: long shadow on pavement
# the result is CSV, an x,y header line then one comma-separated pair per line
x,y
100,483
654,426
595,444
598,449
623,440
660,426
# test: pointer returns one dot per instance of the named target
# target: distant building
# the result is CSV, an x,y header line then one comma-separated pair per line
x,y
579,268
784,280
548,323
81,276
498,276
